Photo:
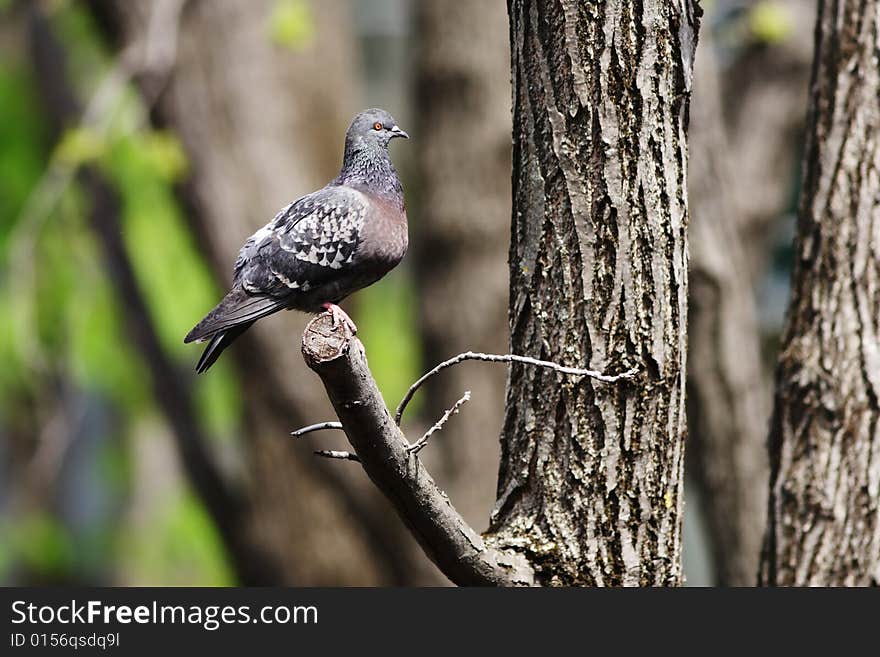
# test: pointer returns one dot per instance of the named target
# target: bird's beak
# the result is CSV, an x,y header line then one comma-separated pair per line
x,y
397,132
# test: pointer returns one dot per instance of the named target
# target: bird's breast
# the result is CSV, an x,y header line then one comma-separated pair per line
x,y
385,236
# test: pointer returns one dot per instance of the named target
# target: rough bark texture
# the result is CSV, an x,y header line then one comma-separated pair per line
x,y
261,128
590,484
727,391
824,511
462,236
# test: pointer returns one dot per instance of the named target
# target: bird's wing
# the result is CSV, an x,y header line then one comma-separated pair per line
x,y
304,245
300,249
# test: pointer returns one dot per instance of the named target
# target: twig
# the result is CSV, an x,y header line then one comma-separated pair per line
x,y
459,551
508,358
489,358
419,445
336,454
320,426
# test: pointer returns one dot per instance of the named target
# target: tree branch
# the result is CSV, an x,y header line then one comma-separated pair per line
x,y
419,445
320,426
462,554
336,454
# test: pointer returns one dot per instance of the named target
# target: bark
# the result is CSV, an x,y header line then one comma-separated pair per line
x,y
824,507
590,486
726,385
461,239
261,128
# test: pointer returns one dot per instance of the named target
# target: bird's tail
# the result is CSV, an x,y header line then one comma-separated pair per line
x,y
217,344
237,307
229,319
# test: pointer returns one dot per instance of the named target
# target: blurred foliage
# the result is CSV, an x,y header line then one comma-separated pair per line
x,y
170,538
40,545
741,25
292,25
63,338
177,546
770,22
79,146
23,135
65,322
385,321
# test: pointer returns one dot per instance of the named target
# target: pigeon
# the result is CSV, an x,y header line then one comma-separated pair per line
x,y
322,247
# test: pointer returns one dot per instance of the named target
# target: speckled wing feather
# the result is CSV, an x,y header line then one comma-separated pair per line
x,y
286,263
305,244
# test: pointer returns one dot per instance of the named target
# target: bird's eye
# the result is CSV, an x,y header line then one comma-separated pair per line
x,y
377,126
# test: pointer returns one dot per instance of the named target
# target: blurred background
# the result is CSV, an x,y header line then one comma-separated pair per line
x,y
142,142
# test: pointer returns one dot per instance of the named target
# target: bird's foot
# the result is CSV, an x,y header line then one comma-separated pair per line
x,y
339,316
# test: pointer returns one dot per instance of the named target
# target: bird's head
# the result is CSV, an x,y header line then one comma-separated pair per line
x,y
373,127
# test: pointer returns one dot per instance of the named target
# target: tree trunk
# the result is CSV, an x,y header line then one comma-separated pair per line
x,y
261,128
742,172
462,236
824,510
590,485
727,411
768,81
